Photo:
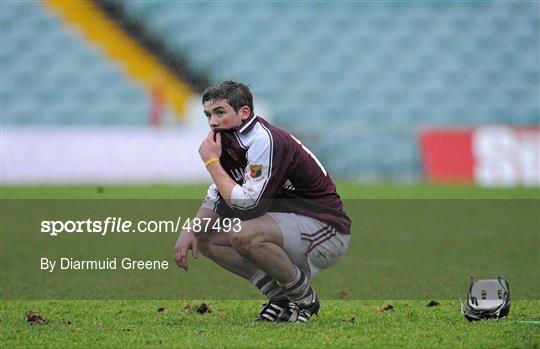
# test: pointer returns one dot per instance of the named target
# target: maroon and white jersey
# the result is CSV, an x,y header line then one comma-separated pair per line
x,y
274,172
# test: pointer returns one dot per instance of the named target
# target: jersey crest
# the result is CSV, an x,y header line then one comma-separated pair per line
x,y
255,170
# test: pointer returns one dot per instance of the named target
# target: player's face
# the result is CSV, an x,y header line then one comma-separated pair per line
x,y
222,116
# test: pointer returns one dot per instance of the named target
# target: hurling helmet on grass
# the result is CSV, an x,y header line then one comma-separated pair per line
x,y
487,299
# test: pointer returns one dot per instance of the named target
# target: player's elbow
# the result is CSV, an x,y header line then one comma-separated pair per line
x,y
243,198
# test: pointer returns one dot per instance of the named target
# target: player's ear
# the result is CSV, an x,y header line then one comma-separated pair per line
x,y
245,112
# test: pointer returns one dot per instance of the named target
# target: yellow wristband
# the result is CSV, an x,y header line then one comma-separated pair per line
x,y
212,160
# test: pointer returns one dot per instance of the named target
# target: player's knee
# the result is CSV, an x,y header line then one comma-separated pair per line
x,y
240,240
247,238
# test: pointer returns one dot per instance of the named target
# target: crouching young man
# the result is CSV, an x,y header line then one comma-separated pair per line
x,y
292,220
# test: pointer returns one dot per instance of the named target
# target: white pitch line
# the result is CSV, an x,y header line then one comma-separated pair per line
x,y
535,322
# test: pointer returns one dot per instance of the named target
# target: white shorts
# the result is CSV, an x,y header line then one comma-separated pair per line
x,y
312,245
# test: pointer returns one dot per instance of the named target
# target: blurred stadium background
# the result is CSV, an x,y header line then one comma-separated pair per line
x,y
108,91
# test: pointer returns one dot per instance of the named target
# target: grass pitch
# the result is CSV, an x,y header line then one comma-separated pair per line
x,y
342,324
348,318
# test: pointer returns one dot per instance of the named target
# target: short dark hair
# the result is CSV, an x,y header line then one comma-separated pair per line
x,y
236,94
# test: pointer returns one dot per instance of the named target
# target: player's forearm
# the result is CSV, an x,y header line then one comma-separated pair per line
x,y
223,182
